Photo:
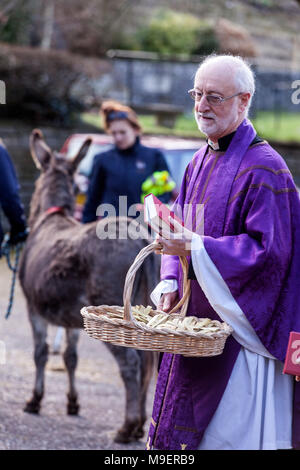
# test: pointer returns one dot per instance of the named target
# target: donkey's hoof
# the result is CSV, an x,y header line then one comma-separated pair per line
x,y
122,437
130,431
32,407
73,409
138,433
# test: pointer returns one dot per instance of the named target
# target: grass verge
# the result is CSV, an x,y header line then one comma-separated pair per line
x,y
280,127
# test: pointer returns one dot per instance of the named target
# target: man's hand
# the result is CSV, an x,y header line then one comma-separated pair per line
x,y
297,378
177,243
168,301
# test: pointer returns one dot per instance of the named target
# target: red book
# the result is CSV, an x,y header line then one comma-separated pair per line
x,y
157,214
292,359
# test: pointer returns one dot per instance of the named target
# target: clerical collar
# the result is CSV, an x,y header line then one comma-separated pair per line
x,y
222,143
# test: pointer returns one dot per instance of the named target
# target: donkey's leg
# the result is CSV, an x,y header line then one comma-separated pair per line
x,y
57,340
129,363
70,358
39,328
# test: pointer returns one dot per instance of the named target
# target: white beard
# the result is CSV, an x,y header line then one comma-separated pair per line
x,y
216,126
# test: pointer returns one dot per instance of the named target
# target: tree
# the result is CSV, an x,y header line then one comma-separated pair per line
x,y
171,32
90,27
14,20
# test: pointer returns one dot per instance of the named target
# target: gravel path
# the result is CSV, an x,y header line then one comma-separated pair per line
x,y
100,389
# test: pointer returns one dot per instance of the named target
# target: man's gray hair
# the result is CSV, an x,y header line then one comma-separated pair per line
x,y
243,74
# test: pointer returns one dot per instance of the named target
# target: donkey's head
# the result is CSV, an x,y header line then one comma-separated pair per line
x,y
55,185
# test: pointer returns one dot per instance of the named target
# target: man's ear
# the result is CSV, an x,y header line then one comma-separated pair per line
x,y
244,100
40,152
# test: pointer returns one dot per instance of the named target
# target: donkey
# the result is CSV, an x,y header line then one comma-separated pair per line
x,y
65,266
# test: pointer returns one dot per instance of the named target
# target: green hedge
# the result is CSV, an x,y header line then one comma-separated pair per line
x,y
170,32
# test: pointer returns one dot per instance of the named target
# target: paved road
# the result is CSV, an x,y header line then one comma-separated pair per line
x,y
100,388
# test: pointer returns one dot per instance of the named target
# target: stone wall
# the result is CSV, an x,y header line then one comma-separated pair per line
x,y
141,82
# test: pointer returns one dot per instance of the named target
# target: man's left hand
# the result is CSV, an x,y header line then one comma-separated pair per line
x,y
177,243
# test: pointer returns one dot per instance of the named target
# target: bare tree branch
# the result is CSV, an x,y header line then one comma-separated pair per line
x,y
8,7
49,10
5,11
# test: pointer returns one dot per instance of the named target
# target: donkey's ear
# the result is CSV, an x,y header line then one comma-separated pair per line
x,y
40,152
81,153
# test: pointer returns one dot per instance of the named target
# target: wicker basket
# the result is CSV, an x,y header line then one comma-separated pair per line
x,y
116,325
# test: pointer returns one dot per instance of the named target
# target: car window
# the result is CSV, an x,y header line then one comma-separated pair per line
x,y
177,161
86,165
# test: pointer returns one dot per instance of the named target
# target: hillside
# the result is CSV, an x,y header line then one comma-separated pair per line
x,y
93,27
272,24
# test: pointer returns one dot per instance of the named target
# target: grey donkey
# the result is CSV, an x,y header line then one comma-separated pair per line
x,y
65,266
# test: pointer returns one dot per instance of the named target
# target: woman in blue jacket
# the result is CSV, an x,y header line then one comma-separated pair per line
x,y
121,170
10,200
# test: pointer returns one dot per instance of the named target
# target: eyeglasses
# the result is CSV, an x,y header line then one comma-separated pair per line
x,y
213,100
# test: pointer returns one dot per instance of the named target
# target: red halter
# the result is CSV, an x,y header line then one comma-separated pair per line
x,y
54,209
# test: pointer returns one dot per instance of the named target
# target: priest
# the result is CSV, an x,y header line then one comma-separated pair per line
x,y
243,250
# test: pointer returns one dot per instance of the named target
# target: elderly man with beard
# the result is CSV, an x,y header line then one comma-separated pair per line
x,y
244,268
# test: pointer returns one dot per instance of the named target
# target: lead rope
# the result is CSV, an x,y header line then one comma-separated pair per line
x,y
6,250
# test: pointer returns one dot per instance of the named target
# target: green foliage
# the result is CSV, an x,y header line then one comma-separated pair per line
x,y
265,3
15,28
123,41
169,32
207,41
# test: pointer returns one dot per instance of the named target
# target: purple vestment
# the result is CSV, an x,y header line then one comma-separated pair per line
x,y
252,235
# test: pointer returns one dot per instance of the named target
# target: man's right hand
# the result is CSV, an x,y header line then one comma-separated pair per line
x,y
168,301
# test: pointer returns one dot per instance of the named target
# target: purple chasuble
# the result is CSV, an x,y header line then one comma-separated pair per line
x,y
252,235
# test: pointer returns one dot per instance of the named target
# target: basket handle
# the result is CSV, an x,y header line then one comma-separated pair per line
x,y
129,281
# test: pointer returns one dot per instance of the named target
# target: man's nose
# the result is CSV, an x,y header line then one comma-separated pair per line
x,y
202,105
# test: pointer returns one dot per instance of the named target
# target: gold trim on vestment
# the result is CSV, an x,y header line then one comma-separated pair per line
x,y
262,167
184,428
265,185
206,182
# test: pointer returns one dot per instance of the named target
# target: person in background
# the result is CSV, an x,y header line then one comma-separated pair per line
x,y
244,268
122,170
10,200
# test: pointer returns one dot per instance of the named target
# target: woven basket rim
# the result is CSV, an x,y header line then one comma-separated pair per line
x,y
225,331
